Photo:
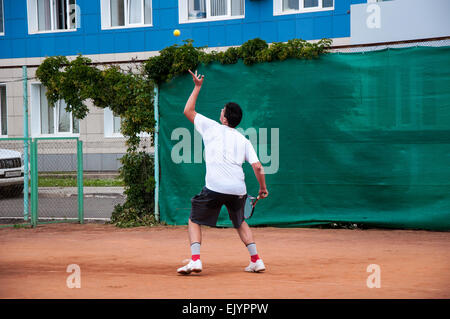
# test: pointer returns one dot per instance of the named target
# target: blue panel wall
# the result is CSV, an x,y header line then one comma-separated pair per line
x,y
259,21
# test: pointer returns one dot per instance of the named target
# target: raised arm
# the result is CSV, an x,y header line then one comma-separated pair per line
x,y
189,109
259,173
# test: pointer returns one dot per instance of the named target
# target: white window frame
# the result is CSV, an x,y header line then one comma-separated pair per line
x,y
35,114
6,107
108,124
278,8
105,16
32,18
183,14
3,18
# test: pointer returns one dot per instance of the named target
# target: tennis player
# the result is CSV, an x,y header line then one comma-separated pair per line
x,y
225,151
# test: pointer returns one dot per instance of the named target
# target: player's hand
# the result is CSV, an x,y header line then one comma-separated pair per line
x,y
263,193
198,78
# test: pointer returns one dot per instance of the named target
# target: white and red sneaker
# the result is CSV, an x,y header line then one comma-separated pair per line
x,y
192,266
257,266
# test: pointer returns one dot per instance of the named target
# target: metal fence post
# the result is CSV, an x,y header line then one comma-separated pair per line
x,y
34,184
80,181
25,141
156,153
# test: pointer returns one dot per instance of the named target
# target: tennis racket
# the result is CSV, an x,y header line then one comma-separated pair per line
x,y
250,204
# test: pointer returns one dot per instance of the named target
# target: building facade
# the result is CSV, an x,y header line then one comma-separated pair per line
x,y
123,30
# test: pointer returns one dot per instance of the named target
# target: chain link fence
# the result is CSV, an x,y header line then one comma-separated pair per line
x,y
60,191
53,180
391,45
12,176
58,180
100,201
66,191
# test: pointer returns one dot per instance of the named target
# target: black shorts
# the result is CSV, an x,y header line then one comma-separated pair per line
x,y
206,207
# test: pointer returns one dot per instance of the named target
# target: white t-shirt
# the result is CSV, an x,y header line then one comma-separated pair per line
x,y
225,151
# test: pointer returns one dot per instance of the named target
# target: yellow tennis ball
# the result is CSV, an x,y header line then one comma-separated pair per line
x,y
176,33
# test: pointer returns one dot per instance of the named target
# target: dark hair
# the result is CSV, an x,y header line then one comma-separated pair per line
x,y
233,114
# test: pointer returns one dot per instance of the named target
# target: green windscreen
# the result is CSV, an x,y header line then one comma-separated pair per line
x,y
361,138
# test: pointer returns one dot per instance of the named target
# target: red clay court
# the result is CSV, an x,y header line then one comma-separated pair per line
x,y
301,263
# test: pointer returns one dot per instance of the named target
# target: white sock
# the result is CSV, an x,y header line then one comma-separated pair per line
x,y
252,249
195,248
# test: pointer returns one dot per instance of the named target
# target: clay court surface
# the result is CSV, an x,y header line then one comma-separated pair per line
x,y
301,263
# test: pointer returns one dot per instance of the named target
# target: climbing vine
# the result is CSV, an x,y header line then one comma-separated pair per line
x,y
176,60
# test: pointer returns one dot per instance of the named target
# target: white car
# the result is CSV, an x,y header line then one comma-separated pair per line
x,y
11,173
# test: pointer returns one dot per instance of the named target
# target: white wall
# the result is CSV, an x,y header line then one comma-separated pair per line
x,y
399,20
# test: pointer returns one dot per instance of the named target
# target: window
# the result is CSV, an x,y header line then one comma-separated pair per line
x,y
301,6
126,13
112,123
3,111
51,15
53,120
204,10
117,122
2,27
